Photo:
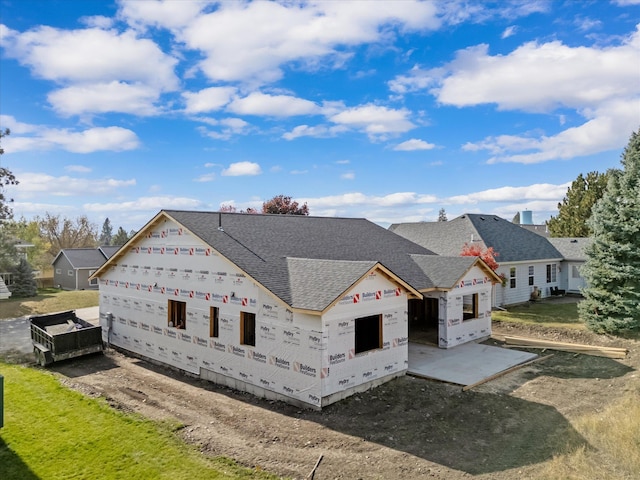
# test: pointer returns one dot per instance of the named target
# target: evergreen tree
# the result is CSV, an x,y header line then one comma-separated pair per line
x,y
24,283
121,237
576,206
107,233
612,271
6,178
442,215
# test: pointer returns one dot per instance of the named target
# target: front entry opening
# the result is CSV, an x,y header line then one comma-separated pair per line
x,y
423,320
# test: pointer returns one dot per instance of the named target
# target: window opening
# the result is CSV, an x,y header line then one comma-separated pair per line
x,y
213,321
368,333
177,314
248,328
469,306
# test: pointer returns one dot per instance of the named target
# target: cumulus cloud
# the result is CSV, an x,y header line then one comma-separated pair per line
x,y
105,97
242,169
208,99
317,131
145,204
96,139
414,144
251,41
77,168
539,191
258,103
374,120
64,186
102,70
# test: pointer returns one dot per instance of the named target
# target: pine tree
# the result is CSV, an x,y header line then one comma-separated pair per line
x,y
107,233
24,283
121,237
442,215
577,205
612,271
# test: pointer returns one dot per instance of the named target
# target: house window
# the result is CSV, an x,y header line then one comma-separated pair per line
x,y
58,271
213,321
248,328
469,306
70,273
531,276
512,277
551,273
177,314
368,333
93,281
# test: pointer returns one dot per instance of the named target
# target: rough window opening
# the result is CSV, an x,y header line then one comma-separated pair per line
x,y
177,313
469,306
368,333
214,313
248,328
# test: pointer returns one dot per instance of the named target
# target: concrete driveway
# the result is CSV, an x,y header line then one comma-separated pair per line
x,y
15,339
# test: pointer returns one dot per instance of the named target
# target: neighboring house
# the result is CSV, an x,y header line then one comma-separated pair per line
x,y
72,267
304,309
573,252
528,262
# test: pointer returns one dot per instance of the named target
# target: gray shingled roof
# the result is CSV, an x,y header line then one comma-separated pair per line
x,y
512,242
316,283
83,258
572,249
445,272
269,248
109,250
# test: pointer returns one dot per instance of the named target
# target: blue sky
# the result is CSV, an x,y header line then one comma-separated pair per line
x,y
383,110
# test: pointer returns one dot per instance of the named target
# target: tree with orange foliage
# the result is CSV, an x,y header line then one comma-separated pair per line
x,y
486,254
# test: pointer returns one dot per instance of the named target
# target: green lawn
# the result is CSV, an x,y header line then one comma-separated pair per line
x,y
550,314
49,300
51,432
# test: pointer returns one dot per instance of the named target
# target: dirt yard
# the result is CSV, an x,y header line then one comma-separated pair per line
x,y
408,428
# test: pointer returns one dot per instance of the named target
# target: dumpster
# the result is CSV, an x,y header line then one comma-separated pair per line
x,y
63,335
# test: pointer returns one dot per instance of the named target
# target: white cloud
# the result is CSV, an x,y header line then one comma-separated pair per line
x,y
251,41
65,186
258,103
105,97
609,128
160,13
207,177
145,204
208,99
92,56
361,199
414,144
228,127
376,121
509,31
318,131
242,169
86,141
77,168
348,176
540,191
574,77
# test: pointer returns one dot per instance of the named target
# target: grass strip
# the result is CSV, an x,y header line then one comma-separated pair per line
x,y
55,433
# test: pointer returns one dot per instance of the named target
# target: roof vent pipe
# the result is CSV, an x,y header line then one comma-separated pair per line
x,y
220,222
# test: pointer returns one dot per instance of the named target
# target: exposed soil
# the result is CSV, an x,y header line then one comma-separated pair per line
x,y
407,428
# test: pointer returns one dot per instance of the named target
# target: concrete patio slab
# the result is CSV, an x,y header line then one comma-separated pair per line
x,y
464,364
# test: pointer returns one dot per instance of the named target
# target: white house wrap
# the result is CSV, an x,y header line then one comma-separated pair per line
x,y
269,305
